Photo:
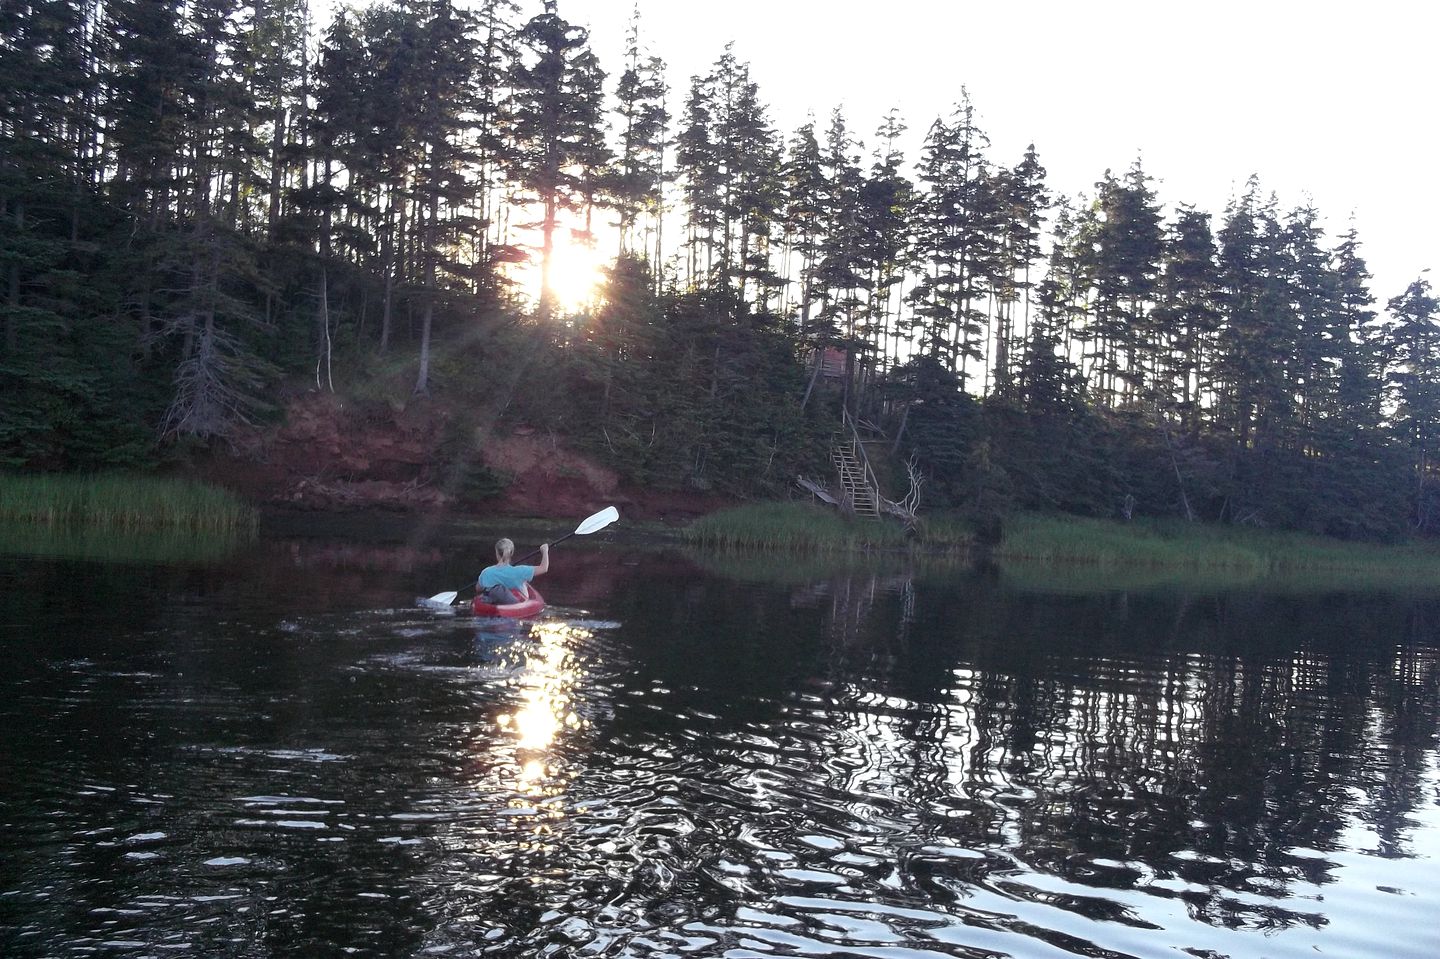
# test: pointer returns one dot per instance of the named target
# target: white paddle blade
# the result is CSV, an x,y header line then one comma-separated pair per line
x,y
441,599
598,522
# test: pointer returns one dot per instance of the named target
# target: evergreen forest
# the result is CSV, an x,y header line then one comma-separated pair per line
x,y
207,206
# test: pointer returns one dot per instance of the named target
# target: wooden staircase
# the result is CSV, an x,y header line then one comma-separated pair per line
x,y
860,496
857,480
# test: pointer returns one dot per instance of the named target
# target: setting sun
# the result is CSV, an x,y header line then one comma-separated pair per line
x,y
577,269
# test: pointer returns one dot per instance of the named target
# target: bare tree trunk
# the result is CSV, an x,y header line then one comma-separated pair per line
x,y
387,255
322,360
814,375
187,342
656,276
900,430
387,308
422,380
427,315
145,319
547,251
1175,464
277,142
12,298
302,118
805,294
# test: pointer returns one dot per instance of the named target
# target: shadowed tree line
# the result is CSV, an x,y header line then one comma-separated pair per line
x,y
200,203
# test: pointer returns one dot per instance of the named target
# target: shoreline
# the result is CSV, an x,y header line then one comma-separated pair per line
x,y
1076,544
1079,546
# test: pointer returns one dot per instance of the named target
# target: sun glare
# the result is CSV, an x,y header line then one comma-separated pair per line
x,y
576,271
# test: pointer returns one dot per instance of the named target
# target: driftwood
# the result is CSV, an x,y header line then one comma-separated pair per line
x,y
908,505
816,490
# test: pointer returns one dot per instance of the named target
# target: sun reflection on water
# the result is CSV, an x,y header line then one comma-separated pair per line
x,y
547,687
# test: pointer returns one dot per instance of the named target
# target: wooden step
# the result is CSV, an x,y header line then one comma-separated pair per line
x,y
862,499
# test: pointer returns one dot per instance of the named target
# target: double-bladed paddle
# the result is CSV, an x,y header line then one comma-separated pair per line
x,y
592,524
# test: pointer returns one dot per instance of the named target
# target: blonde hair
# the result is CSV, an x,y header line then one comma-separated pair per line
x,y
504,549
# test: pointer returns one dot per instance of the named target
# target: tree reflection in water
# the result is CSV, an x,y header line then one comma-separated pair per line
x,y
1122,758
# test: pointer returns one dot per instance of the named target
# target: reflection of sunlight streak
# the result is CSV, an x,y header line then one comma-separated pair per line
x,y
546,710
532,776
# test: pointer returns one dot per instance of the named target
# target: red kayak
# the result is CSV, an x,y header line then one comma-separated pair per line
x,y
528,604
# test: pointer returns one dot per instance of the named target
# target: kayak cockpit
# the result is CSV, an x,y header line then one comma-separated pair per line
x,y
529,605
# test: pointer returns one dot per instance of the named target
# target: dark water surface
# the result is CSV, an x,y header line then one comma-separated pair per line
x,y
279,754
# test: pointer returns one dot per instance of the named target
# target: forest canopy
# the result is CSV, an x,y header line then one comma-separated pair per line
x,y
204,205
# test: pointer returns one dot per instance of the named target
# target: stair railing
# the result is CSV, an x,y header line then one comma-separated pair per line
x,y
867,471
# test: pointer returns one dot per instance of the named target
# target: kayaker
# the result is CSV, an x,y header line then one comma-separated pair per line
x,y
497,582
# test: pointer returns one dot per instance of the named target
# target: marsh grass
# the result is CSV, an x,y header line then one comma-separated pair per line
x,y
945,531
166,547
1073,540
115,501
1242,553
1098,552
792,526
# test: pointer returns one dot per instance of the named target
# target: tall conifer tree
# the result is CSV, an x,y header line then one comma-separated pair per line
x,y
1413,336
955,240
555,115
643,130
1186,316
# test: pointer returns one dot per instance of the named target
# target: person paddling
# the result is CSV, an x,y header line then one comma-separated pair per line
x,y
504,584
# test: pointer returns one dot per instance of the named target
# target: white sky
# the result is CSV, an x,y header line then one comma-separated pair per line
x,y
1327,100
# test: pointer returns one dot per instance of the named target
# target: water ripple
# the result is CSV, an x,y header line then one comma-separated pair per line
x,y
398,783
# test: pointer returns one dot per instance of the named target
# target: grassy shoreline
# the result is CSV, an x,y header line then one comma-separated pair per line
x,y
121,501
1073,541
811,528
1191,546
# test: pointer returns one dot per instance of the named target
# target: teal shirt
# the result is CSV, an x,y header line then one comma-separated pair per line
x,y
511,577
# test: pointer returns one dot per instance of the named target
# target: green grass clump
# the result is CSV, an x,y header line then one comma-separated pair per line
x,y
117,501
945,530
792,526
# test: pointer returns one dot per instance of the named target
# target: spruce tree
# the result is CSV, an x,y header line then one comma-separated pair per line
x,y
1320,325
841,276
144,112
753,155
1022,202
698,168
443,190
494,22
1124,264
642,125
804,182
1186,317
887,202
955,242
1360,385
1413,341
1061,293
1255,351
555,115
271,56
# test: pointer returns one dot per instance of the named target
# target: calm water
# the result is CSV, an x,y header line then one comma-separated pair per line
x,y
277,753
